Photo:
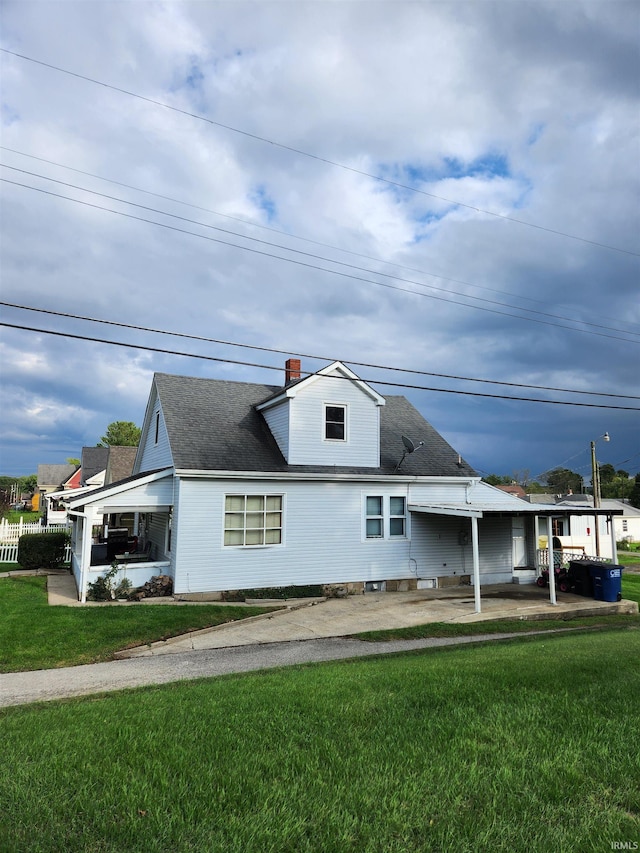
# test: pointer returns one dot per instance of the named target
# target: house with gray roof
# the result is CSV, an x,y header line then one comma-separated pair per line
x,y
322,480
53,476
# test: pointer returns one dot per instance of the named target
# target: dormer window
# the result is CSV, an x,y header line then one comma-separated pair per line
x,y
335,422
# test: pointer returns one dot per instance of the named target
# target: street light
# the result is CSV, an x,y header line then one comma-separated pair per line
x,y
595,485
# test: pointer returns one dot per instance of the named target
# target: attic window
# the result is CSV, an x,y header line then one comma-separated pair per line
x,y
335,422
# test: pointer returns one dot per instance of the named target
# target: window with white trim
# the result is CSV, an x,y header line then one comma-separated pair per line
x,y
335,422
375,518
253,520
385,517
397,517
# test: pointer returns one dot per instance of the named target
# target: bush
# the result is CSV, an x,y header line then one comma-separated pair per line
x,y
42,550
108,588
280,592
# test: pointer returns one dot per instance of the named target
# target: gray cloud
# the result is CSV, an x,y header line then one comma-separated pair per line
x,y
526,109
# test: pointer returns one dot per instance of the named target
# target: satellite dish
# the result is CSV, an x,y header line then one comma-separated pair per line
x,y
408,444
409,447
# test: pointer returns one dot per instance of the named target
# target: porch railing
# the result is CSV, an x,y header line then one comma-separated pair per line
x,y
567,554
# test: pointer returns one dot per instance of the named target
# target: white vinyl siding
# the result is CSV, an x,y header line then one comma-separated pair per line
x,y
148,496
253,520
308,441
322,539
155,453
277,419
442,547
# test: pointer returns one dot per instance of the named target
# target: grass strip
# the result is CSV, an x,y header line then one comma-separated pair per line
x,y
528,745
36,636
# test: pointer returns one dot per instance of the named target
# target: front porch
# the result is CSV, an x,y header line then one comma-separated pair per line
x,y
127,523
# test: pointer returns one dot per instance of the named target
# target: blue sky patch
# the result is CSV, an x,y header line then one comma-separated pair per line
x,y
264,201
9,115
489,165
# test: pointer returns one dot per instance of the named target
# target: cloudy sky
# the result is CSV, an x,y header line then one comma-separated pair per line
x,y
448,188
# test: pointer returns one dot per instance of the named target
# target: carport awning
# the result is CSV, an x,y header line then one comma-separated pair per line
x,y
478,509
463,510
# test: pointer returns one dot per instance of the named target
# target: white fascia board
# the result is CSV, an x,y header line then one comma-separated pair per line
x,y
67,494
153,394
108,491
187,474
349,374
443,509
104,510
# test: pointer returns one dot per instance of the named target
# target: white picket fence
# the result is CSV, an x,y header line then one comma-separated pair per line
x,y
11,533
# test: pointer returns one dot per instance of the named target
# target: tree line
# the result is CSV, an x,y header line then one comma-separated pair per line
x,y
617,484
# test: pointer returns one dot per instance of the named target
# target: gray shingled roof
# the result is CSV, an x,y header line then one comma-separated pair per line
x,y
213,425
55,474
120,463
94,460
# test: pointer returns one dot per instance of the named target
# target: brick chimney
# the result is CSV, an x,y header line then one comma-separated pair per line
x,y
291,370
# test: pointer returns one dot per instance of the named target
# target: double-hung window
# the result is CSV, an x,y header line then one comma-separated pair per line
x,y
397,517
385,517
335,422
253,520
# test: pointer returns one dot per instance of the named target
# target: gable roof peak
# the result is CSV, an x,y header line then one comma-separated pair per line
x,y
291,390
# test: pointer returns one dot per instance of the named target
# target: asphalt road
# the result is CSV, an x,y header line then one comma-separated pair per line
x,y
20,688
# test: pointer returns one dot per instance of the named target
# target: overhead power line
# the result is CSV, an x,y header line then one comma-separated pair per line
x,y
413,371
261,226
386,383
316,157
322,269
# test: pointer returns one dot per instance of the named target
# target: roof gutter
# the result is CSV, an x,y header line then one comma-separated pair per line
x,y
189,474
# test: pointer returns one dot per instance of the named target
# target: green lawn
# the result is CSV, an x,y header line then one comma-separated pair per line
x,y
13,516
629,558
532,745
36,636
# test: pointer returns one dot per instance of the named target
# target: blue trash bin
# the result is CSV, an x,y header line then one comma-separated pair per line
x,y
607,581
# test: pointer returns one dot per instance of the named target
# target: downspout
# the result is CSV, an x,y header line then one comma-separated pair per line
x,y
476,562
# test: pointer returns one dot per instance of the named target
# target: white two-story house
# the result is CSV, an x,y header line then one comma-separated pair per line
x,y
320,481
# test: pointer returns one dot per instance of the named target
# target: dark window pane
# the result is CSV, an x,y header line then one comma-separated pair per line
x,y
335,431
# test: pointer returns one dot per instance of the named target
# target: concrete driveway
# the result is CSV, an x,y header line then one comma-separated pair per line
x,y
312,619
378,611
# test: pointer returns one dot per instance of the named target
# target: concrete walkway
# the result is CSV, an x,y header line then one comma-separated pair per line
x,y
19,688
